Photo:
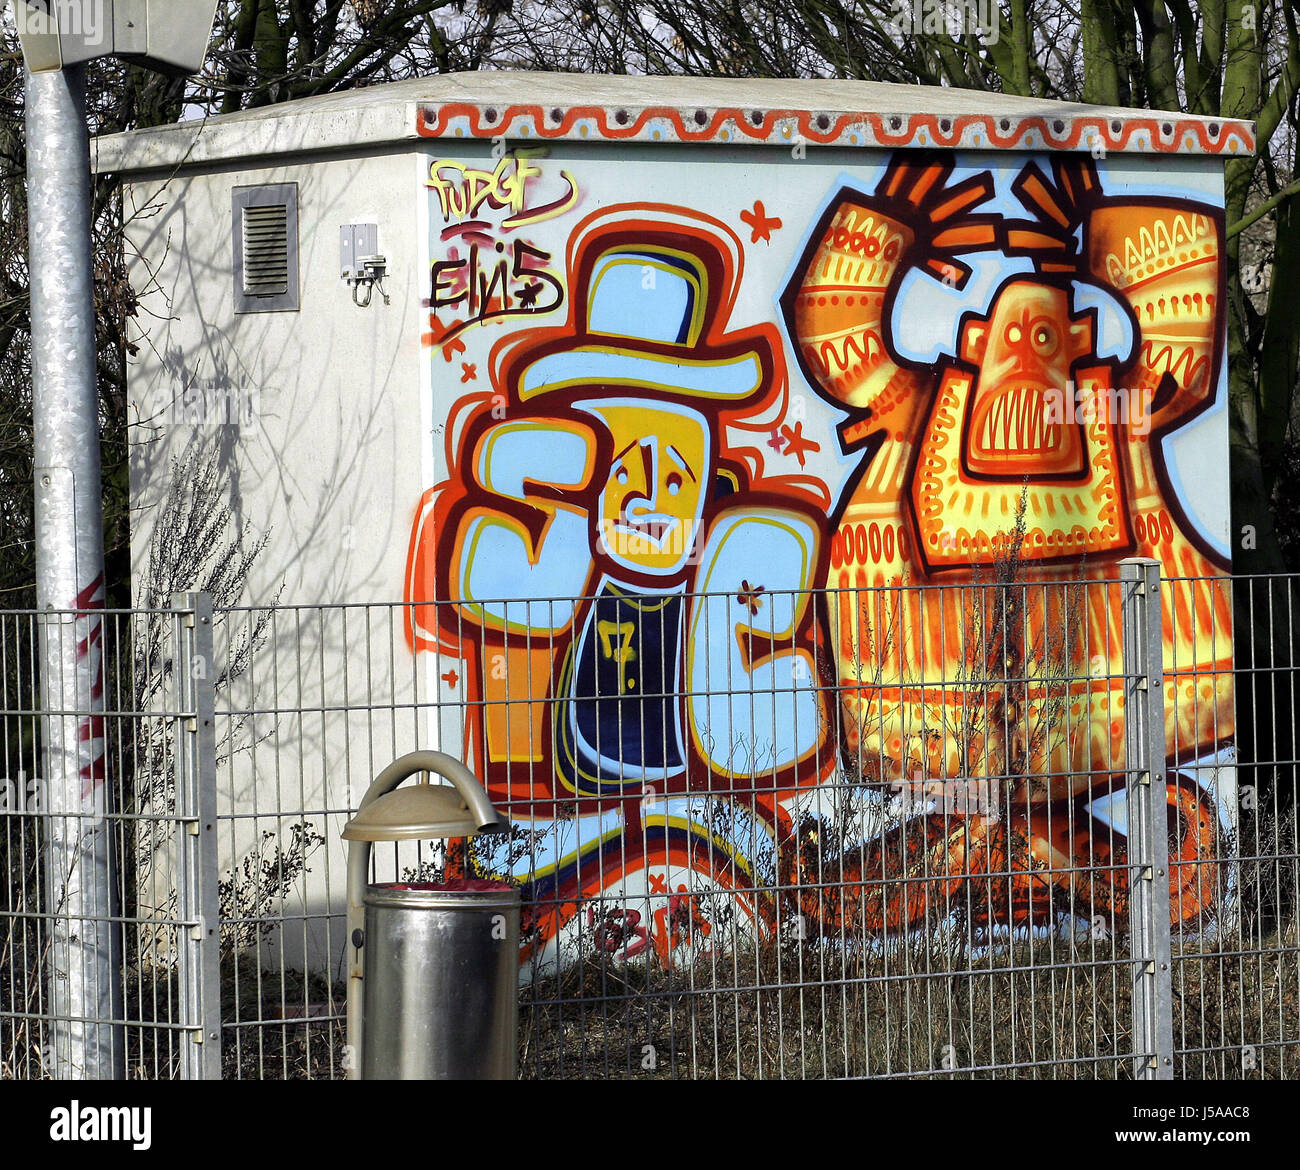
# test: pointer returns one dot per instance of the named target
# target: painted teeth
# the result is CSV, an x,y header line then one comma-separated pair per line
x,y
1017,424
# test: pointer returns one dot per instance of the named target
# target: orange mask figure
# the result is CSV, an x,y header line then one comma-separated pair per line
x,y
940,686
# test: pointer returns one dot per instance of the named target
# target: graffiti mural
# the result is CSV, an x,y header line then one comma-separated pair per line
x,y
720,536
1022,404
606,467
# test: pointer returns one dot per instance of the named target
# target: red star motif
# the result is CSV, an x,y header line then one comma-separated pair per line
x,y
451,678
438,332
468,372
763,225
776,442
796,444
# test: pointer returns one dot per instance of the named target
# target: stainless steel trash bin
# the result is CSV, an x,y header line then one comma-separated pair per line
x,y
433,971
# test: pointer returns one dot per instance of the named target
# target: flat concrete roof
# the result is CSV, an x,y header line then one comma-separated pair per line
x,y
719,111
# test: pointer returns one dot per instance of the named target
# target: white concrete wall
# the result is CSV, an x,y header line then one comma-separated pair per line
x,y
328,462
325,458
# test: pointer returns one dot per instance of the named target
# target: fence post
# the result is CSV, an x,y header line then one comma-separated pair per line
x,y
1144,749
196,806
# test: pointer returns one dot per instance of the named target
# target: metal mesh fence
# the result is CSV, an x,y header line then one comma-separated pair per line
x,y
1236,986
89,856
1001,829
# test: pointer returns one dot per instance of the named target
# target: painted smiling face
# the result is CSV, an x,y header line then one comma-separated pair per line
x,y
650,508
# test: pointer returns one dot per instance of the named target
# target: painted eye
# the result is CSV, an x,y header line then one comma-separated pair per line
x,y
1045,340
621,475
1014,334
674,484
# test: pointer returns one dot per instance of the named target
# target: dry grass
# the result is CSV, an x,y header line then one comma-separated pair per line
x,y
1051,1008
798,1011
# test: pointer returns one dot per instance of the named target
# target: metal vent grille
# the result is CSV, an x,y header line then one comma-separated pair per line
x,y
266,251
264,235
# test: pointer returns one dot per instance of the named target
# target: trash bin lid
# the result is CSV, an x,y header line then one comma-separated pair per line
x,y
415,812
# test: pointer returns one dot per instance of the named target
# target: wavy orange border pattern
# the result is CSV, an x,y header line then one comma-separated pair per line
x,y
1154,134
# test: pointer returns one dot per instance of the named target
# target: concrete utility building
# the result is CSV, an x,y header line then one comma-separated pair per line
x,y
630,417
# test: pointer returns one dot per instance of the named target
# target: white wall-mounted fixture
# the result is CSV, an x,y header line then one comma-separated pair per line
x,y
360,261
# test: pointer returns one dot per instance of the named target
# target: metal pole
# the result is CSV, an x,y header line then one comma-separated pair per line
x,y
84,941
196,803
1148,840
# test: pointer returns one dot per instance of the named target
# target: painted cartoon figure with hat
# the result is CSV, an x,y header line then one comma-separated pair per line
x,y
627,590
